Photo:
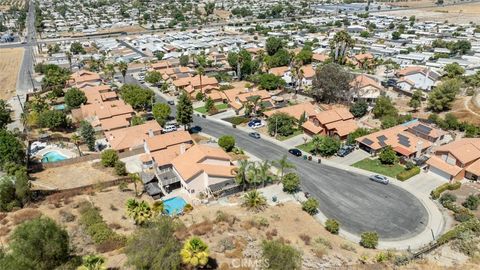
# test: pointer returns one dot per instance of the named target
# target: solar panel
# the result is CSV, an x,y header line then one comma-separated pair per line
x,y
382,138
403,140
382,143
367,141
422,129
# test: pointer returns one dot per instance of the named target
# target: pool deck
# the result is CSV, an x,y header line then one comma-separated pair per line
x,y
64,152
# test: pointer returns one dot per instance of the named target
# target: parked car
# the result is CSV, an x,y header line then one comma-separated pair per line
x,y
389,83
195,129
345,150
295,152
379,178
255,135
169,128
171,102
256,124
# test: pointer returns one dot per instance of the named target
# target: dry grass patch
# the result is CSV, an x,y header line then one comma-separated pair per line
x,y
10,62
23,215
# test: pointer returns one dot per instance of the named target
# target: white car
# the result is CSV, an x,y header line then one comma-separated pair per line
x,y
169,128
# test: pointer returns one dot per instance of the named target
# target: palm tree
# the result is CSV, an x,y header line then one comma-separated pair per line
x,y
140,212
123,68
254,100
77,140
201,72
254,200
241,176
69,58
340,43
317,142
109,71
283,165
195,252
92,262
158,208
252,174
264,171
135,180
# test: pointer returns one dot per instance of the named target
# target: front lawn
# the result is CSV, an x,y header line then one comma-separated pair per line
x,y
219,106
295,133
375,166
307,147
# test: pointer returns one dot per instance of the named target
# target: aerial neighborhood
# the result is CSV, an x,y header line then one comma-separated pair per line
x,y
239,134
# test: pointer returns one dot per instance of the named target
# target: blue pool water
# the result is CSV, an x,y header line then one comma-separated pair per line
x,y
53,156
174,205
59,107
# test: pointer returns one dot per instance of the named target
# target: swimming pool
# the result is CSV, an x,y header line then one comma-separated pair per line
x,y
59,107
174,206
53,156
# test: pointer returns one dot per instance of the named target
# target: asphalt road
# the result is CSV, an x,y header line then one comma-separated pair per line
x,y
24,82
356,202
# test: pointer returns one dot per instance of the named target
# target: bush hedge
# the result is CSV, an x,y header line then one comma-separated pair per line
x,y
470,225
435,194
409,173
96,227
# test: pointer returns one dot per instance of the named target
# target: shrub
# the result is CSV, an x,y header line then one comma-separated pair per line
x,y
369,240
408,174
471,202
435,194
120,168
310,206
332,226
281,256
470,225
109,158
447,198
388,156
291,182
227,142
463,215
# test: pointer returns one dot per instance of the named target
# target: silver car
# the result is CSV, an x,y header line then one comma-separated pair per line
x,y
379,178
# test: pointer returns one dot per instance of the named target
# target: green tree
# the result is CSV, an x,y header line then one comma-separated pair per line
x,y
388,156
270,81
195,252
153,77
210,106
359,108
453,70
340,44
273,45
184,110
155,246
281,123
441,98
120,168
305,55
209,8
136,96
39,244
227,142
241,173
310,206
254,200
389,121
332,83
137,120
184,60
332,226
281,58
77,48
5,114
7,194
325,145
74,98
291,182
53,119
384,107
369,239
11,149
359,132
159,55
281,256
22,186
396,35
283,166
123,68
472,202
109,157
88,134
416,100
161,112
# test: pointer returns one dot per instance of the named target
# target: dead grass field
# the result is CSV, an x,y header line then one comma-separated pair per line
x,y
10,62
463,113
463,13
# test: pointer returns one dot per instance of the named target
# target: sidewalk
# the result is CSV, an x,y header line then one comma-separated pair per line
x,y
436,221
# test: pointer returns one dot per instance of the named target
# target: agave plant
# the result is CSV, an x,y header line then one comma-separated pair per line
x,y
254,200
92,262
195,252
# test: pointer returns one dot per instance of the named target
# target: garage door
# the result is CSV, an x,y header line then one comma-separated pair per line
x,y
440,173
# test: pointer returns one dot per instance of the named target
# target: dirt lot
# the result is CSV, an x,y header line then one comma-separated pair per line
x,y
464,109
10,61
70,176
464,13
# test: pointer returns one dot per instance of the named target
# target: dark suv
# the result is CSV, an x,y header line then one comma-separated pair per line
x,y
345,150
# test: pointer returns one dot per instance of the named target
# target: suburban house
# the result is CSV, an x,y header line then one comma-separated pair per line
x,y
133,137
366,88
337,122
108,115
410,140
319,58
161,65
178,162
362,60
193,85
417,77
457,160
296,111
84,76
99,94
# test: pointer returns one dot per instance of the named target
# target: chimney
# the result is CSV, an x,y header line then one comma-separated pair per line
x,y
419,148
150,133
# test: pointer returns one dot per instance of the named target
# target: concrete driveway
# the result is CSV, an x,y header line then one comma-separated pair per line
x,y
425,182
351,158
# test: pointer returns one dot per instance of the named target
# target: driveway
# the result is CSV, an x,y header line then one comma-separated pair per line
x,y
351,158
425,182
